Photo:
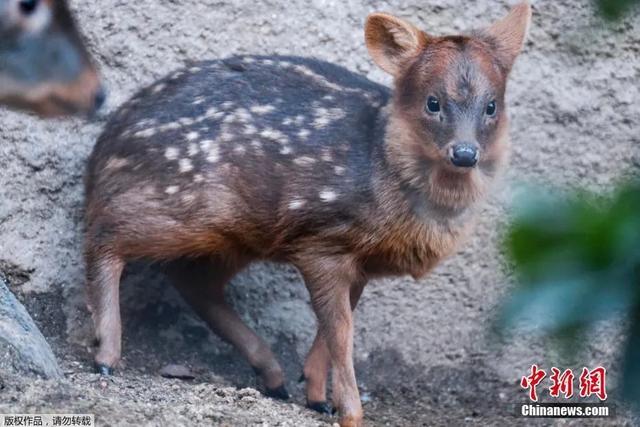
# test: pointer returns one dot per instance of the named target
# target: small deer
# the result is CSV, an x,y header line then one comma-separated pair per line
x,y
44,66
296,160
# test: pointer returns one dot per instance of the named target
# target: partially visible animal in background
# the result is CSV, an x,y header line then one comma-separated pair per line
x,y
44,65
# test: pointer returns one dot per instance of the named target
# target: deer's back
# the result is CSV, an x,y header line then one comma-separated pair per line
x,y
274,147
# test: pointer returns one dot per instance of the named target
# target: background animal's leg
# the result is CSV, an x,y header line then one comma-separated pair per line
x,y
201,282
103,285
318,362
330,280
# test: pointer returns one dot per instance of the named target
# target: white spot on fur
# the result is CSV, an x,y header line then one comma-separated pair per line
x,y
170,126
186,121
239,149
214,153
195,69
328,195
262,109
193,149
317,77
199,100
304,134
243,115
324,117
326,155
146,122
157,88
146,133
188,199
192,136
185,165
205,144
226,136
116,163
339,170
274,135
229,118
304,161
227,105
212,112
296,204
257,145
198,178
285,150
171,153
249,130
172,189
321,121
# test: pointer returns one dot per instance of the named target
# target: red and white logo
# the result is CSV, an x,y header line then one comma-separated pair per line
x,y
592,382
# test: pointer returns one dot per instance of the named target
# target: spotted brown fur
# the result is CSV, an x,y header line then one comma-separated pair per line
x,y
296,160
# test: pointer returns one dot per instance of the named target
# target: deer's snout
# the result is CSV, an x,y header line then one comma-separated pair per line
x,y
464,155
85,95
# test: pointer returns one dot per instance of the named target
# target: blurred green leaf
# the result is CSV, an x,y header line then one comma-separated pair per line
x,y
615,9
577,261
631,367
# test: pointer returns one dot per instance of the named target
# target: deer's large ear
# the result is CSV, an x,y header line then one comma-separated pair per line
x,y
392,41
510,32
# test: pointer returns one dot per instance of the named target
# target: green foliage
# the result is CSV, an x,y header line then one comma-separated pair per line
x,y
577,261
615,9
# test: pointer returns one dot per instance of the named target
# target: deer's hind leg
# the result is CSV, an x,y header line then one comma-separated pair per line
x,y
201,282
103,290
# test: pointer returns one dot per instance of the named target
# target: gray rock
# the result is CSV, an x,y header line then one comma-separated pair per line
x,y
23,349
180,372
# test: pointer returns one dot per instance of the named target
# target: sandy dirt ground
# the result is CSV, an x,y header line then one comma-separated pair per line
x,y
423,355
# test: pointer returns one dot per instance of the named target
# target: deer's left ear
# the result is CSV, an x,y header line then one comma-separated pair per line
x,y
510,33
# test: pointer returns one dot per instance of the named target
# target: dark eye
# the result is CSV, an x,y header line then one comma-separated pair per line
x,y
27,7
433,105
491,109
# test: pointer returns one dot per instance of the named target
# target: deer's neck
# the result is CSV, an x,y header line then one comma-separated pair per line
x,y
414,225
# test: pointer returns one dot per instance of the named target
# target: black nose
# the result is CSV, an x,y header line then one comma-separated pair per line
x,y
464,155
101,97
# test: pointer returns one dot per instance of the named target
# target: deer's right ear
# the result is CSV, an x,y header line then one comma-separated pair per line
x,y
392,41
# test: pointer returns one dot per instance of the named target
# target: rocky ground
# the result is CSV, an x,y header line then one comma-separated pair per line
x,y
423,354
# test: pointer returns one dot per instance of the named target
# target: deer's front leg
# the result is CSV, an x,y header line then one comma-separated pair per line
x,y
318,362
330,280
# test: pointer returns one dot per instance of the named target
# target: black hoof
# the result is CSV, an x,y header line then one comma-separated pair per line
x,y
277,393
321,407
104,370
